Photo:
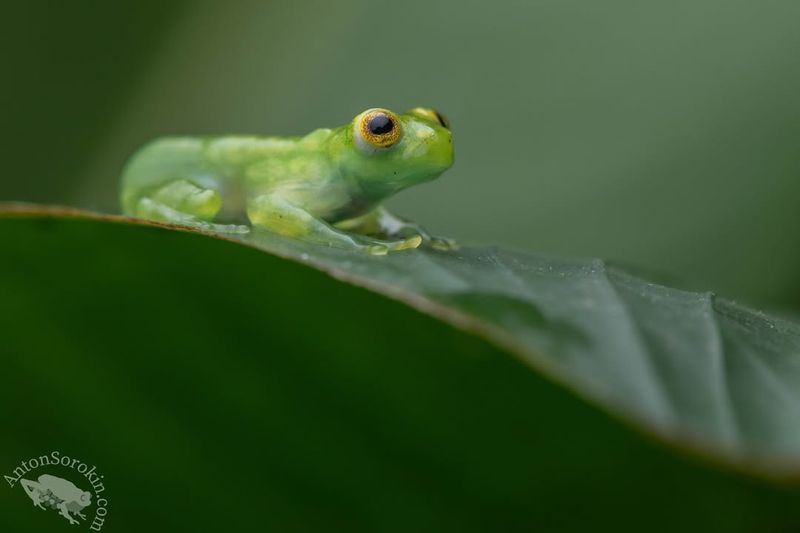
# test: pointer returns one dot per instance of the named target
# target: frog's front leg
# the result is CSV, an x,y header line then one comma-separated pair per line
x,y
63,511
381,222
273,212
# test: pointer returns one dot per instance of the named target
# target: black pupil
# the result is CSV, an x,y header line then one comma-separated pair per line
x,y
380,125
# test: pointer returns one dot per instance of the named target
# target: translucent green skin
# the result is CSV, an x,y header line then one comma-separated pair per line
x,y
325,187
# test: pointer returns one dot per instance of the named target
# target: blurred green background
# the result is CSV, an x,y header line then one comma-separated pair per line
x,y
662,134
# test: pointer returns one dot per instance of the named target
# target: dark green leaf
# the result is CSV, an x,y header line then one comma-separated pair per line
x,y
220,388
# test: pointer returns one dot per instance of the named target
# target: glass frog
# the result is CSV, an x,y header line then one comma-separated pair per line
x,y
58,493
324,187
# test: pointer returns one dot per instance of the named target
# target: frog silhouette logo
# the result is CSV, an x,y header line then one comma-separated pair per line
x,y
58,494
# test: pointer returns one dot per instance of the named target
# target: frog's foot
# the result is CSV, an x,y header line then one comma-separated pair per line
x,y
183,202
440,243
381,222
153,210
277,215
429,241
383,247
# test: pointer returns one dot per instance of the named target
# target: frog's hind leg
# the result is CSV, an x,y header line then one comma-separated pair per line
x,y
183,202
34,491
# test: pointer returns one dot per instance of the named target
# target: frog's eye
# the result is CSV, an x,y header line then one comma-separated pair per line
x,y
377,128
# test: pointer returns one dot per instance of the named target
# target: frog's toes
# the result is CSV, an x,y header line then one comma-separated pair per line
x,y
230,229
382,248
410,243
377,249
443,244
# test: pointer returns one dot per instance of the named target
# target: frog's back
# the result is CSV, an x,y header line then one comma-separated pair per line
x,y
215,163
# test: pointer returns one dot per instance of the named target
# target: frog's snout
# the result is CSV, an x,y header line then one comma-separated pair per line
x,y
445,153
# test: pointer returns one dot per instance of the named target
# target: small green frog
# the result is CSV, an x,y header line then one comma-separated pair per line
x,y
57,493
325,187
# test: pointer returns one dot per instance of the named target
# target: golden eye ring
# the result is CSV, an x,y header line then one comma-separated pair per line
x,y
379,128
